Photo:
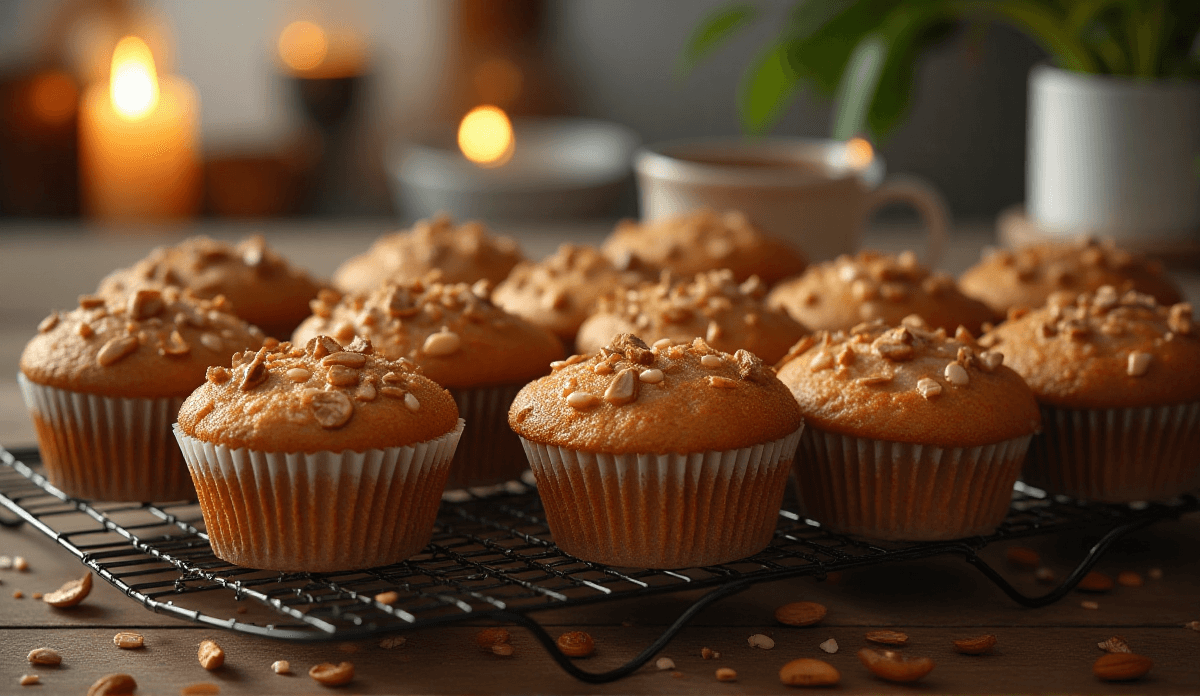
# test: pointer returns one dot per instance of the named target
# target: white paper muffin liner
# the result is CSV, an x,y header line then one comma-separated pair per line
x,y
1117,455
663,510
320,511
108,448
489,452
901,491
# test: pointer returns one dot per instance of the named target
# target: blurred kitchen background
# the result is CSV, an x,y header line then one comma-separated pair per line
x,y
301,103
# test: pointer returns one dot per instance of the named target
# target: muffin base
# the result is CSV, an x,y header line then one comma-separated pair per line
x,y
663,510
901,491
320,511
1117,455
489,451
108,448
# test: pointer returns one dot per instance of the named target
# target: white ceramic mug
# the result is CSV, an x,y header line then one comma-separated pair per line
x,y
818,194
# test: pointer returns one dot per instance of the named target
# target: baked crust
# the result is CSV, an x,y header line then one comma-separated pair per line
x,y
728,315
631,398
264,289
1027,277
560,291
705,240
458,254
1104,350
453,332
840,294
144,344
321,397
908,384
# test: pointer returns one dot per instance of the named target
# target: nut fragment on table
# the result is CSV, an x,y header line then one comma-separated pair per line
x,y
895,667
502,650
809,672
128,640
1095,582
664,663
1121,666
328,674
200,689
800,613
210,655
113,685
281,667
71,593
1089,604
726,674
978,645
830,646
758,640
44,656
1128,578
29,679
393,642
576,644
19,563
1045,575
887,637
1116,644
709,654
489,637
1194,625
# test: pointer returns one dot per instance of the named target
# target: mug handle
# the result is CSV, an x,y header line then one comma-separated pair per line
x,y
923,198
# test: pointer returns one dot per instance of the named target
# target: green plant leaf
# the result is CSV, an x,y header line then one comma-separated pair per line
x,y
713,31
810,16
1147,31
860,79
911,37
1040,23
822,56
766,89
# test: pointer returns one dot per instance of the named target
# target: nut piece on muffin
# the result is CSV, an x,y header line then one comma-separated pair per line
x,y
1117,378
460,340
705,240
104,381
712,305
264,289
660,457
460,254
1026,277
559,292
840,294
911,434
372,435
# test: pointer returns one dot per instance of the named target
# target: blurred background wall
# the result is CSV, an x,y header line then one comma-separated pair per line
x,y
612,59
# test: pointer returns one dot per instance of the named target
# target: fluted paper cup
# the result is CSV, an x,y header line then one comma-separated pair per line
x,y
320,511
1117,455
902,491
108,448
663,510
489,452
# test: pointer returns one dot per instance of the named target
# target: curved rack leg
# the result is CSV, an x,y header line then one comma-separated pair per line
x,y
1088,562
642,658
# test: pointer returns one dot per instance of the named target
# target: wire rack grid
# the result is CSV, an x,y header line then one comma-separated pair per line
x,y
490,557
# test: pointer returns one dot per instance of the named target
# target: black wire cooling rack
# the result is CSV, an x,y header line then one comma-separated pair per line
x,y
491,557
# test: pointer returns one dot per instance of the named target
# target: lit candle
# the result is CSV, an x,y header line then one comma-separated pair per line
x,y
138,144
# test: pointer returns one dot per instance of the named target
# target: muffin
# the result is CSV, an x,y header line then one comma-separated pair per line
x,y
460,340
104,381
705,240
663,457
322,458
263,289
560,291
1027,277
729,316
457,254
1117,380
911,434
840,294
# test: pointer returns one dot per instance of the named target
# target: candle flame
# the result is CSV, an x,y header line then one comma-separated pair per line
x,y
303,45
485,136
134,84
859,153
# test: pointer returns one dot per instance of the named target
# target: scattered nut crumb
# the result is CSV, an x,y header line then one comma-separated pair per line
x,y
975,646
502,649
389,643
726,675
210,655
576,644
809,672
887,637
1045,575
1154,573
664,663
1116,644
709,654
830,646
758,640
113,685
1128,578
281,667
1121,667
800,613
36,595
6,562
17,594
44,656
200,689
489,637
71,593
29,679
328,674
21,564
677,675
1194,625
1089,604
128,640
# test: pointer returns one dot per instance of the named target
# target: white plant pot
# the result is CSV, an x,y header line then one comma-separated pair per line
x,y
1113,156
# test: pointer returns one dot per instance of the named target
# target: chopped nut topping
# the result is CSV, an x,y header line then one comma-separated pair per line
x,y
601,368
956,375
144,304
341,376
652,376
721,382
85,330
1137,364
298,374
411,402
90,301
116,349
331,409
822,361
442,343
211,341
48,323
345,358
873,380
1179,318
711,361
559,364
990,360
256,371
624,389
581,400
929,388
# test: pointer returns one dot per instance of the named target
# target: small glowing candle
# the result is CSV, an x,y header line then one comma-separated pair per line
x,y
485,136
138,143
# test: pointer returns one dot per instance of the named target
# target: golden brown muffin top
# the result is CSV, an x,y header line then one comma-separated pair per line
x,y
461,254
908,384
322,397
1027,277
264,289
705,240
630,397
839,294
452,331
561,290
147,344
729,315
1104,350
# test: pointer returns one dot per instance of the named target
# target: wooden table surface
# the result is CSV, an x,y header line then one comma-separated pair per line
x,y
934,601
